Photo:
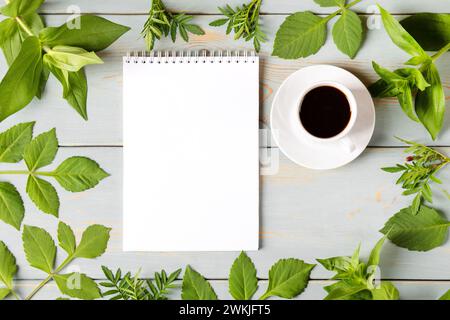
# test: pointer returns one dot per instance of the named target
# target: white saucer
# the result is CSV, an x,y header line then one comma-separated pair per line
x,y
301,150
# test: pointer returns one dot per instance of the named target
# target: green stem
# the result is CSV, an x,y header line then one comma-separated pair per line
x,y
15,172
264,296
348,6
50,276
440,52
37,173
15,295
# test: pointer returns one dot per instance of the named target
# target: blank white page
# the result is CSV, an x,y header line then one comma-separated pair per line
x,y
191,169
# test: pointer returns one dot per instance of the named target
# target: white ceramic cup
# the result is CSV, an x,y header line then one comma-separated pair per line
x,y
342,139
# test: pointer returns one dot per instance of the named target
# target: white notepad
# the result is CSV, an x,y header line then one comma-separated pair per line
x,y
191,170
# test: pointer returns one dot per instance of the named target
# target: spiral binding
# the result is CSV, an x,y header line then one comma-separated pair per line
x,y
202,56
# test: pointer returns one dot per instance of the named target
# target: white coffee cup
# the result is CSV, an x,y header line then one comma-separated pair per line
x,y
342,139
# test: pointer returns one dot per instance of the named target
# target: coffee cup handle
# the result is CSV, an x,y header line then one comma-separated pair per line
x,y
347,144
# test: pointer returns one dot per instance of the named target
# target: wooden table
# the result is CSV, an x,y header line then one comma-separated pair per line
x,y
304,214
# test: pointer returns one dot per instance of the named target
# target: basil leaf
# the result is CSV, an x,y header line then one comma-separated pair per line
x,y
95,34
43,194
330,3
345,290
195,287
445,296
417,232
336,264
8,267
383,89
288,278
42,82
386,291
93,242
40,250
78,174
71,58
4,292
430,103
348,33
414,77
242,280
431,30
400,36
374,258
41,151
77,285
12,210
66,238
405,98
10,39
17,8
74,87
14,140
21,82
301,35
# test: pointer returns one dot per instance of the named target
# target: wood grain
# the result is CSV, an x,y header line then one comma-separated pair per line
x,y
409,290
304,214
105,85
268,7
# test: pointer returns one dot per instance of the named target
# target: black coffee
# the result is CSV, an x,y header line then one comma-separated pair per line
x,y
325,112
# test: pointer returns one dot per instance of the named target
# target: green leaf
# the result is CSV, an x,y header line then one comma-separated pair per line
x,y
400,36
405,98
12,210
288,278
66,238
77,174
336,264
374,259
218,22
242,280
445,296
345,290
41,151
4,292
195,287
93,242
348,33
330,3
10,39
8,267
95,34
194,29
431,30
430,103
417,202
40,250
386,291
21,82
43,194
301,35
14,140
71,58
421,232
77,285
393,169
17,8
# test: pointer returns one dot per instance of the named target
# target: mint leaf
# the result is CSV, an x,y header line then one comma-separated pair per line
x,y
41,151
417,232
12,210
95,34
288,278
93,242
431,30
17,8
66,238
71,58
14,140
430,103
330,3
40,250
348,33
77,285
301,35
386,291
77,174
8,267
195,287
43,194
21,82
242,280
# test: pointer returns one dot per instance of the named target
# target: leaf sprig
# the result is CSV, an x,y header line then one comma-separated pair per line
x,y
303,33
33,51
244,22
75,174
162,22
40,251
420,168
129,287
419,90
